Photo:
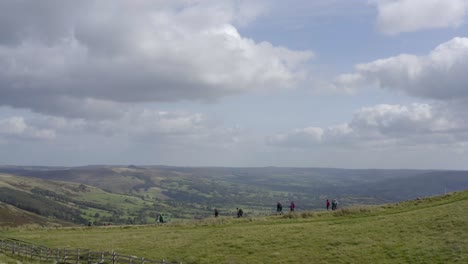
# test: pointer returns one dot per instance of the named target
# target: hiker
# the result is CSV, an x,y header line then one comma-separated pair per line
x,y
334,204
328,204
279,208
216,212
292,206
239,212
160,219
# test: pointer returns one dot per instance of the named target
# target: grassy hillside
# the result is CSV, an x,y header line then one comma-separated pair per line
x,y
131,194
73,202
11,216
432,230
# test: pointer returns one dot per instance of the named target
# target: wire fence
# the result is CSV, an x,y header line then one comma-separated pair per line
x,y
15,247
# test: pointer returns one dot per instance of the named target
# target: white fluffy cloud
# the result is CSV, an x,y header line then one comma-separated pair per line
x,y
383,124
104,53
402,121
396,16
13,128
439,75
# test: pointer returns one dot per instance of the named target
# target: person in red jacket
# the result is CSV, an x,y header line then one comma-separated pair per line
x,y
292,206
328,205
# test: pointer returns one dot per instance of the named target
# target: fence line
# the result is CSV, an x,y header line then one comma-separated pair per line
x,y
68,256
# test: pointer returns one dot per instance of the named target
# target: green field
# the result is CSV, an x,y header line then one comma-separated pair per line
x,y
431,230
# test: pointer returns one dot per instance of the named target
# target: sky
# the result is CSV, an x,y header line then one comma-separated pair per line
x,y
300,83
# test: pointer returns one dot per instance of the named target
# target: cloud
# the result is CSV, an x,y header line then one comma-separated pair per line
x,y
383,125
144,122
440,75
401,121
396,16
136,124
58,55
301,137
14,128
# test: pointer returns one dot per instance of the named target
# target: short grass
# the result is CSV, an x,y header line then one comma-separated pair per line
x,y
8,260
433,230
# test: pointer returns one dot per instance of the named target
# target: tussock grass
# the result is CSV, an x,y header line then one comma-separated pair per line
x,y
352,211
296,215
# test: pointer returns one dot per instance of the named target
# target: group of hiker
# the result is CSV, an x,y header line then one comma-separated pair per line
x,y
279,208
334,204
292,206
160,218
239,211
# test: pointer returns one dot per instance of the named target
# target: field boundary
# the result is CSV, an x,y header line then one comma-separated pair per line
x,y
14,247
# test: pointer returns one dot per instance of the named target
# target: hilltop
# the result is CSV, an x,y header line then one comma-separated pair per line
x,y
430,230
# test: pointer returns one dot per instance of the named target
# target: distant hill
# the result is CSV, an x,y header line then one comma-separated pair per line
x,y
136,194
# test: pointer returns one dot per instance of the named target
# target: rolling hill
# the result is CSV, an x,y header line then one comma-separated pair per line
x,y
136,194
430,230
71,202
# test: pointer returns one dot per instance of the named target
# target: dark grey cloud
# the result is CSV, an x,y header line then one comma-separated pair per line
x,y
46,21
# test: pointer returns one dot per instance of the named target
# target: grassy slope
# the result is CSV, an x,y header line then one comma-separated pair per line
x,y
11,216
433,230
193,193
125,203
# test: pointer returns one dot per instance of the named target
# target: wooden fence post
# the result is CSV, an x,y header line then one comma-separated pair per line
x,y
41,254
